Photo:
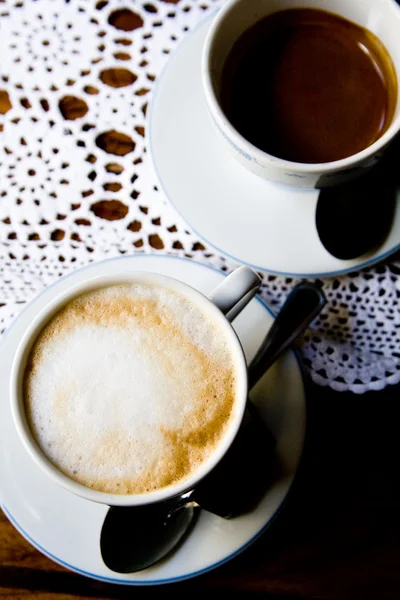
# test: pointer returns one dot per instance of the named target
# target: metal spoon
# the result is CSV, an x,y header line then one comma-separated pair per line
x,y
355,218
133,539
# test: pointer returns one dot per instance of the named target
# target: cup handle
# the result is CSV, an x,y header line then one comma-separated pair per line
x,y
232,294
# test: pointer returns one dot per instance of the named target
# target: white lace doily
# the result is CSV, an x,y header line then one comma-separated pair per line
x,y
76,185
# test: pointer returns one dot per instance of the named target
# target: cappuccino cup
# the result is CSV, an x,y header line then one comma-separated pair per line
x,y
129,389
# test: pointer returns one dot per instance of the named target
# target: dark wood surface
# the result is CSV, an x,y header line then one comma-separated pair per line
x,y
337,537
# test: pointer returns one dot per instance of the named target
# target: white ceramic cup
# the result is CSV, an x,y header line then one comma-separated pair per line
x,y
223,304
381,17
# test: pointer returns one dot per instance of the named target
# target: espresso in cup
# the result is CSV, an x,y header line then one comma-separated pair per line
x,y
308,86
130,388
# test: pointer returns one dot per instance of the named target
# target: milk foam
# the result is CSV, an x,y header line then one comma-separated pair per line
x,y
130,388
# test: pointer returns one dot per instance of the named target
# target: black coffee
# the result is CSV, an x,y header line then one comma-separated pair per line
x,y
308,86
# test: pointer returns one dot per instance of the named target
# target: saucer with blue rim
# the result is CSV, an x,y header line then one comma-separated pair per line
x,y
67,528
256,222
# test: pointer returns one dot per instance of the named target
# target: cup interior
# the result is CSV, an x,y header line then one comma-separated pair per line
x,y
381,18
45,316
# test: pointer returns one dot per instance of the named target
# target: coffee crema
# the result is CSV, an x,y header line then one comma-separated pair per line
x,y
308,86
130,388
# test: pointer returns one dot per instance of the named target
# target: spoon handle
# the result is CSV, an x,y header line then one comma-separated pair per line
x,y
240,479
302,305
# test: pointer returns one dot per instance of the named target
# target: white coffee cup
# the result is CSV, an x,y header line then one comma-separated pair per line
x,y
223,304
381,17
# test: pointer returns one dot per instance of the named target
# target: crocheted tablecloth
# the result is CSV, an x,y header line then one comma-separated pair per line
x,y
77,186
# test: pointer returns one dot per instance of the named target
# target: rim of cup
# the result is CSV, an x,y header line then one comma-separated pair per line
x,y
262,157
48,312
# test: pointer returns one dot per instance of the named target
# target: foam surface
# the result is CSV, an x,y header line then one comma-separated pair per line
x,y
129,388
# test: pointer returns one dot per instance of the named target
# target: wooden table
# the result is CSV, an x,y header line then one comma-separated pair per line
x,y
337,537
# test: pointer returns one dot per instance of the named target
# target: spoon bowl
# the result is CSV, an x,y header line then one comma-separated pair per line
x,y
133,539
354,218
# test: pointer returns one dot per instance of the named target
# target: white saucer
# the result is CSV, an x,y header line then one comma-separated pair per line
x,y
67,528
253,221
